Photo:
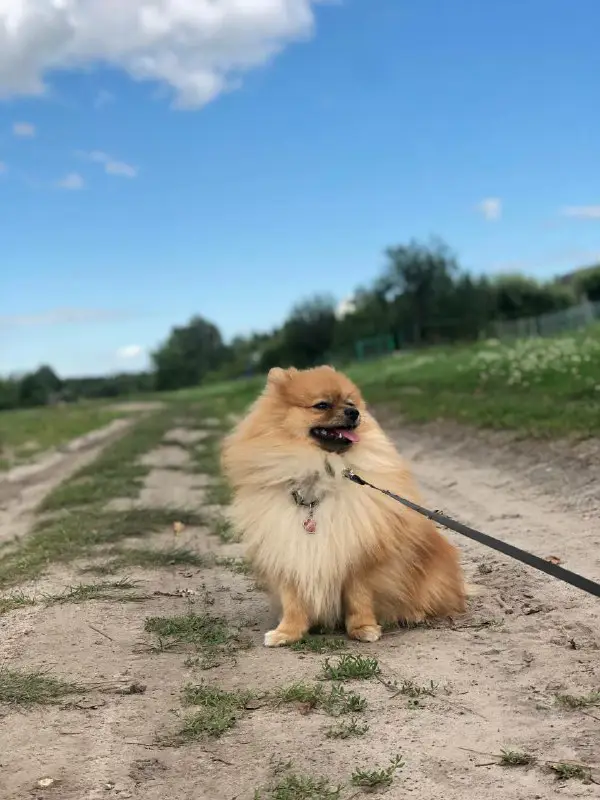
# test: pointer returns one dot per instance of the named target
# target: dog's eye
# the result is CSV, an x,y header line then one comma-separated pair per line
x,y
322,406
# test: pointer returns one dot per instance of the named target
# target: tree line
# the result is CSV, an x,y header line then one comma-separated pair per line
x,y
421,297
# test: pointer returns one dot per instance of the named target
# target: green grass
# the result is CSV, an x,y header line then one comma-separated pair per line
x,y
347,729
334,701
516,758
218,711
26,432
18,687
575,701
238,565
199,630
371,780
350,667
118,591
300,787
222,528
319,644
569,770
78,534
148,558
541,387
14,601
205,455
117,472
206,634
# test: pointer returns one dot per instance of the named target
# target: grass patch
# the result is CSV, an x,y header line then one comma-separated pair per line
x,y
219,710
515,758
106,590
18,687
211,636
540,386
206,456
336,701
371,780
77,534
27,432
206,461
319,644
218,494
15,601
198,630
117,472
575,701
238,565
299,787
570,770
347,729
147,558
350,667
222,528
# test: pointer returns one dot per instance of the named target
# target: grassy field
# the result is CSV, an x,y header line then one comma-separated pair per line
x,y
539,387
27,432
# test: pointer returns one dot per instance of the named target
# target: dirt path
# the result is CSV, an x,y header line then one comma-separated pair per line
x,y
24,487
447,699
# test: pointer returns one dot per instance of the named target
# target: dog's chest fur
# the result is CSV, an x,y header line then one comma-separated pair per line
x,y
317,563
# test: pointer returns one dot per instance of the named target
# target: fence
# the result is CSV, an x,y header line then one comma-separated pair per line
x,y
569,319
551,324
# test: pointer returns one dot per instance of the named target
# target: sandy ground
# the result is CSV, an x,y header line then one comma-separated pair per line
x,y
525,638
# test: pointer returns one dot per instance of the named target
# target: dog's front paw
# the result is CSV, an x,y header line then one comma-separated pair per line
x,y
278,638
368,633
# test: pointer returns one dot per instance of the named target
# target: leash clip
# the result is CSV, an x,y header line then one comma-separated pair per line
x,y
352,476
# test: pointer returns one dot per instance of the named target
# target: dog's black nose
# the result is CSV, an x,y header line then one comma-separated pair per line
x,y
351,414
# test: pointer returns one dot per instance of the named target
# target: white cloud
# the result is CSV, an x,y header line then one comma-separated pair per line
x,y
72,181
111,165
103,98
120,168
581,212
197,48
24,130
490,208
129,351
60,316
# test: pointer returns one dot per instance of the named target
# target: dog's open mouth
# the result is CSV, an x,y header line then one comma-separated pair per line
x,y
335,436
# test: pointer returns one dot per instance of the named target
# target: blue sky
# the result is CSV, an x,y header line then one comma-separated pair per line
x,y
157,167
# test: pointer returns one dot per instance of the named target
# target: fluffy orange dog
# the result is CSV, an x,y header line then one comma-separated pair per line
x,y
327,548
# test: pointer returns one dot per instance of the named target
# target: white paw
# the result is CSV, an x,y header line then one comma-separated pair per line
x,y
370,633
276,638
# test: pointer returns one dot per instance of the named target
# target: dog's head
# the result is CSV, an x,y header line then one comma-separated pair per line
x,y
320,406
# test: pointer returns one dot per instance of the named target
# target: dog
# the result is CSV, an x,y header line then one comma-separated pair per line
x,y
327,549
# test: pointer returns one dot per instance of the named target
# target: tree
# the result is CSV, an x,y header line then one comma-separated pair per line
x,y
188,355
9,393
587,283
518,296
415,278
39,388
306,337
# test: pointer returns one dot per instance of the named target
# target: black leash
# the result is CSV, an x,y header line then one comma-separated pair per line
x,y
585,584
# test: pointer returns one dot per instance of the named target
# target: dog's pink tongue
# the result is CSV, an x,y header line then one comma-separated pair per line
x,y
352,436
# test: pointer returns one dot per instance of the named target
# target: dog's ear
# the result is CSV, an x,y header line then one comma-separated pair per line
x,y
278,376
